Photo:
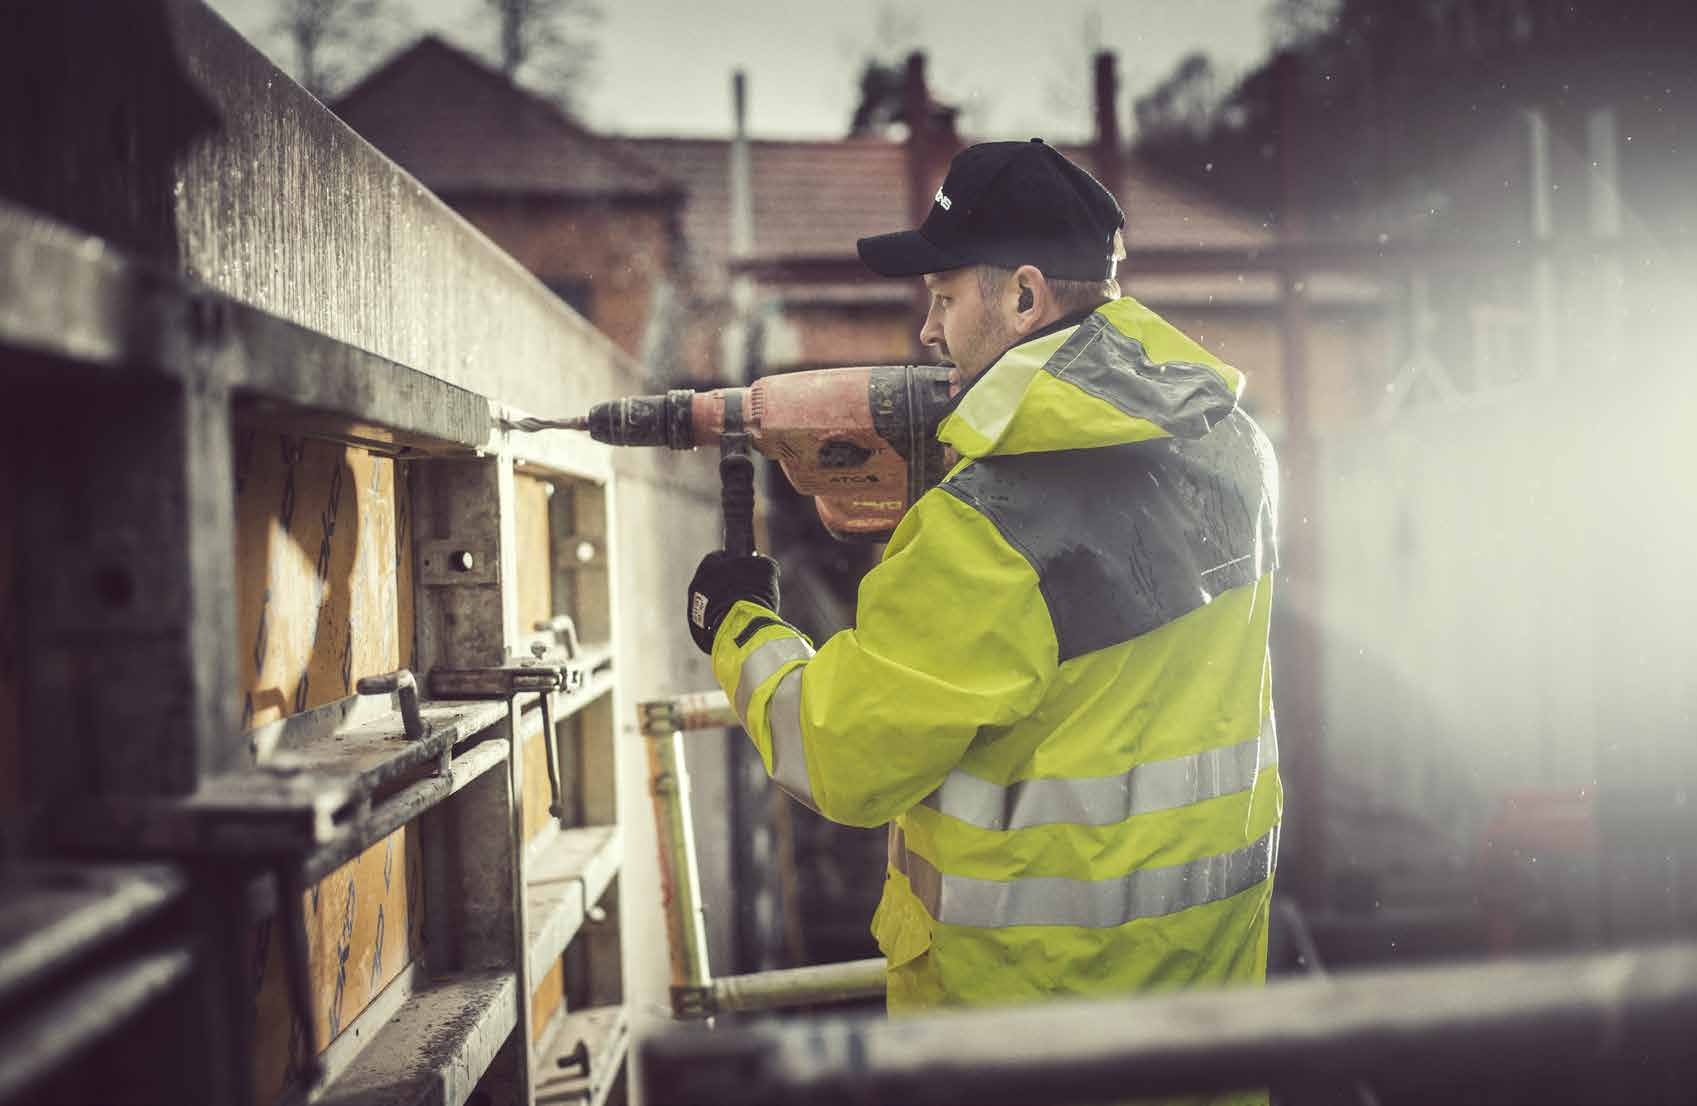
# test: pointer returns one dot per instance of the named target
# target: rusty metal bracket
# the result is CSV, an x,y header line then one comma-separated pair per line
x,y
551,747
404,687
545,678
505,681
564,632
444,564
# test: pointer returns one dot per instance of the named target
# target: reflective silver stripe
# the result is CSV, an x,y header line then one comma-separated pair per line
x,y
1095,904
789,755
758,667
1105,800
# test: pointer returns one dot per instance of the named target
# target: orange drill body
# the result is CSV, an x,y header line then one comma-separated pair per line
x,y
861,441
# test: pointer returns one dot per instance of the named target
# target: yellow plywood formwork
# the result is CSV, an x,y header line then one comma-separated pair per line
x,y
530,523
324,591
325,596
549,996
364,925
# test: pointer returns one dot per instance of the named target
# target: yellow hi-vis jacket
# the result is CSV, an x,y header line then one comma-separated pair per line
x,y
1057,685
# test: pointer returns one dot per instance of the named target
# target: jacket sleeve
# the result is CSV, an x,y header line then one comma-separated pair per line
x,y
951,635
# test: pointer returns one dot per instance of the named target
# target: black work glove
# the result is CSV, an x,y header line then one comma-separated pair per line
x,y
720,580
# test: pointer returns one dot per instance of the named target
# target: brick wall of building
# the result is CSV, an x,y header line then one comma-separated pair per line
x,y
604,258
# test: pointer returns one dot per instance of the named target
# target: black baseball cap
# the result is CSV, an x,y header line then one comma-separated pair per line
x,y
1008,204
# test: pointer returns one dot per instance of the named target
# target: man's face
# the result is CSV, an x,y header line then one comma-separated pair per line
x,y
961,326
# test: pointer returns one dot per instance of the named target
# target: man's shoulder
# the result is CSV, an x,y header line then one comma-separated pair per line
x,y
1127,537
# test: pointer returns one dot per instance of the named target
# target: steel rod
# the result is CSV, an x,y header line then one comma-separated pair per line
x,y
812,986
1497,1020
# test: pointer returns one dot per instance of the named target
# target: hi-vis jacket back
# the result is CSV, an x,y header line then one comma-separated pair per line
x,y
1057,686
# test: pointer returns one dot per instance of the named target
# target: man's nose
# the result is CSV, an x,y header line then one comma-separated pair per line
x,y
931,332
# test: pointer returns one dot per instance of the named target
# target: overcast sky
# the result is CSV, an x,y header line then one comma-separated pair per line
x,y
1017,67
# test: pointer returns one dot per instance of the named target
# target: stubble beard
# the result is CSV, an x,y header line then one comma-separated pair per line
x,y
994,337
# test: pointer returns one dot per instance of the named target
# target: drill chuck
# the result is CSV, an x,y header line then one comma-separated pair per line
x,y
645,420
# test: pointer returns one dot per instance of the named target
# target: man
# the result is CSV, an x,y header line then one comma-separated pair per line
x,y
1057,685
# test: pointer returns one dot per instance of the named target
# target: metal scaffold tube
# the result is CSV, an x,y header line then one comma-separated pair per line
x,y
695,993
686,927
1512,1023
791,987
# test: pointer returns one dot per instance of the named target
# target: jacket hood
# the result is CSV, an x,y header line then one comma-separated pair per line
x,y
1122,375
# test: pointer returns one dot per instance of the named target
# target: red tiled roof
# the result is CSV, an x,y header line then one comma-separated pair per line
x,y
460,126
813,199
1160,215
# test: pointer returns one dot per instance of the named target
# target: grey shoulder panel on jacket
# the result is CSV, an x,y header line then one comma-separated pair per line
x,y
1124,539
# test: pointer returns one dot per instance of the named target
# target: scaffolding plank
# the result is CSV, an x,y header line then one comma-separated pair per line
x,y
435,1048
63,1025
566,877
51,915
581,1061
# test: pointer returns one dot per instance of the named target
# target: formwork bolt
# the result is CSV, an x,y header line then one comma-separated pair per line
x,y
461,560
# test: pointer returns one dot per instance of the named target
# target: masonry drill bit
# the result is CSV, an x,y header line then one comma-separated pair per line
x,y
532,425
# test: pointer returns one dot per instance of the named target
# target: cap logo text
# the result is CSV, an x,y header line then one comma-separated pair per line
x,y
943,201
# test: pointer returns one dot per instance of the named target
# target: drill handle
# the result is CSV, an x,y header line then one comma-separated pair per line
x,y
736,479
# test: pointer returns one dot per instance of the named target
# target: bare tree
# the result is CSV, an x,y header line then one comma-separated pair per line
x,y
1070,88
1187,101
547,44
895,34
329,40
1295,23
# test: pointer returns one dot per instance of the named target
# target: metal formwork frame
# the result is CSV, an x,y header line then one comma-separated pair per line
x,y
137,376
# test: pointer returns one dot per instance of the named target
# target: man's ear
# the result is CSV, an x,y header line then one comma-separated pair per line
x,y
1034,305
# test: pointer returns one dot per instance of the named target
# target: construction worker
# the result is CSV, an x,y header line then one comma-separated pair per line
x,y
1057,685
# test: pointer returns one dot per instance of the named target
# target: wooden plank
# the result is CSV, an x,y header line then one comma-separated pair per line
x,y
535,586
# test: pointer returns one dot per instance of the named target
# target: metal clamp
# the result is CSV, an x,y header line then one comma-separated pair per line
x,y
504,681
401,684
534,675
564,631
693,1003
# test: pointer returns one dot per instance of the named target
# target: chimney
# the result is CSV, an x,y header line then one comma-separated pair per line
x,y
741,182
1109,153
736,340
921,157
